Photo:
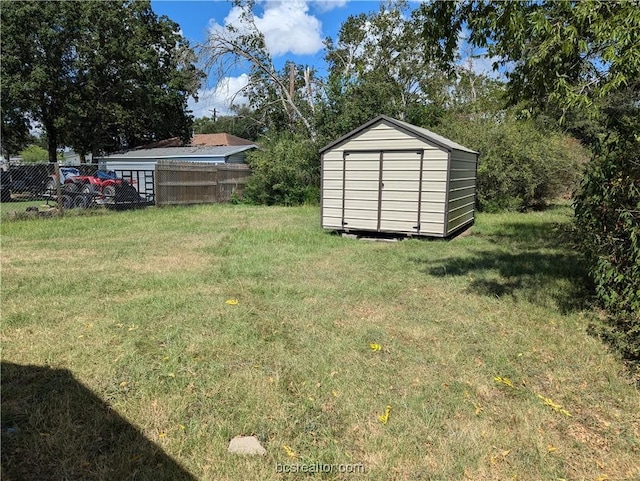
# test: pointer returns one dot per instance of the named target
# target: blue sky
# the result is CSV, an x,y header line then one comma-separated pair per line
x,y
293,30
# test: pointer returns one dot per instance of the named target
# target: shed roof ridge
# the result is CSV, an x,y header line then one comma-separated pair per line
x,y
428,133
421,132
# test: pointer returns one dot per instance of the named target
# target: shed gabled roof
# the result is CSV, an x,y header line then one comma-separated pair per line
x,y
422,133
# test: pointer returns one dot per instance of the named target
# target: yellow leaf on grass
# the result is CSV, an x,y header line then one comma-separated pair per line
x,y
551,448
375,347
555,406
503,380
162,434
123,384
290,452
231,302
384,418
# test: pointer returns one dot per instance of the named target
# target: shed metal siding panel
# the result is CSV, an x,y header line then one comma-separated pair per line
x,y
459,221
332,156
331,189
466,156
401,216
332,175
361,190
383,137
462,190
333,184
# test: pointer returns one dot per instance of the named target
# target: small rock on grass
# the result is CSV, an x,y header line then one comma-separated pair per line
x,y
246,445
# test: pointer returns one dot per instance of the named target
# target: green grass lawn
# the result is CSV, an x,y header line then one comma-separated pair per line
x,y
123,360
21,205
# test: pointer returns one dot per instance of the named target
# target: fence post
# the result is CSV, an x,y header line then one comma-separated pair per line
x,y
156,189
58,189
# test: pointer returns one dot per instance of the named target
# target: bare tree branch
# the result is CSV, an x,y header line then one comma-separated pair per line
x,y
230,47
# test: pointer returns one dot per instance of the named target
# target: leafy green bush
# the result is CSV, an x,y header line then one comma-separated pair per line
x,y
34,153
521,166
608,216
286,171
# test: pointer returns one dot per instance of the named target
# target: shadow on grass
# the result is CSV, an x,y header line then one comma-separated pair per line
x,y
536,262
55,428
529,235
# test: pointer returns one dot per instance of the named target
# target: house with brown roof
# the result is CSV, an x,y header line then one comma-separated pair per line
x,y
206,148
200,140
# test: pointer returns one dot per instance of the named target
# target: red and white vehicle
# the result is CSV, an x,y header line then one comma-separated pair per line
x,y
104,187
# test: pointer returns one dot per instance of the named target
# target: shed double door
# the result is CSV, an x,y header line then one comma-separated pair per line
x,y
382,190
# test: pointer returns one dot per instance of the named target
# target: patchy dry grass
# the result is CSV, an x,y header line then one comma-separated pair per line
x,y
121,357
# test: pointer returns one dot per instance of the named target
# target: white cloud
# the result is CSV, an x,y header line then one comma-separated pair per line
x,y
220,97
286,26
326,5
481,65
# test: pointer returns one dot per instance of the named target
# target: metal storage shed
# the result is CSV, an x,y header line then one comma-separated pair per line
x,y
393,177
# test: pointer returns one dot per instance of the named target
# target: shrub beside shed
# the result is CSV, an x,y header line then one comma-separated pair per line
x,y
390,176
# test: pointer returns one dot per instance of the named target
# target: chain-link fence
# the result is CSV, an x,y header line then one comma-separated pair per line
x,y
101,185
76,187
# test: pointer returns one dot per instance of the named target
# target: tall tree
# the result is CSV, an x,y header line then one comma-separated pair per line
x,y
139,93
282,97
243,123
15,128
378,65
567,55
67,64
37,55
559,53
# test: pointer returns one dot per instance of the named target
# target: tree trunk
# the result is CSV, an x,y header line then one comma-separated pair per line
x,y
52,142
